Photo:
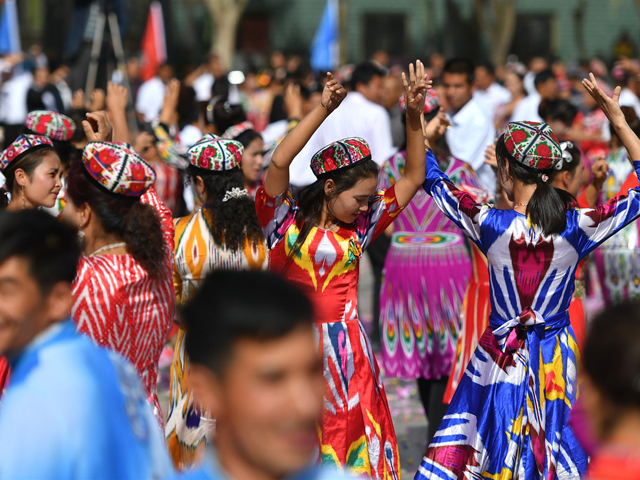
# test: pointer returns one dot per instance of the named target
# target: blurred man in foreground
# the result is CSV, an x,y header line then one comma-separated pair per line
x,y
72,410
255,367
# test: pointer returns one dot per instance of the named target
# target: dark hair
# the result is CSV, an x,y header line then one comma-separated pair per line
x,y
612,354
234,222
631,118
460,66
548,205
28,163
544,76
364,73
561,110
488,66
312,197
50,247
222,114
137,223
246,137
220,315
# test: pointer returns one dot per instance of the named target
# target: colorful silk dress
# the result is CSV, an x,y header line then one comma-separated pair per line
x,y
509,416
424,279
118,305
357,431
196,254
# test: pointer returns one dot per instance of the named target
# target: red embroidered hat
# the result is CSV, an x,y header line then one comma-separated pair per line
x,y
21,146
532,144
118,168
51,124
235,131
215,153
341,154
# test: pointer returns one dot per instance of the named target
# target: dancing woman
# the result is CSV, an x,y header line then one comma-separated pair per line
x,y
123,293
317,243
509,415
222,235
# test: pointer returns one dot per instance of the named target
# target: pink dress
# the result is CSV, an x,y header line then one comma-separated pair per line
x,y
119,306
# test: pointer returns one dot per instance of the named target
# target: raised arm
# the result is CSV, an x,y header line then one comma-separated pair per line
x,y
277,180
414,169
117,97
168,112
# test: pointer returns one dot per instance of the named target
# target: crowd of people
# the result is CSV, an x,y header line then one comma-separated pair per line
x,y
219,221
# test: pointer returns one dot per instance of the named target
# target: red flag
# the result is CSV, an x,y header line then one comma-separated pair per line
x,y
153,46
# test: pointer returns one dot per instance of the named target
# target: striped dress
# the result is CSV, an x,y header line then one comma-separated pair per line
x,y
196,254
119,306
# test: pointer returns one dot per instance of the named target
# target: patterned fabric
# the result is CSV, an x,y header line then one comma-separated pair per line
x,y
431,102
216,154
118,305
173,154
341,154
509,415
533,144
118,168
196,255
425,274
22,145
235,131
356,432
51,124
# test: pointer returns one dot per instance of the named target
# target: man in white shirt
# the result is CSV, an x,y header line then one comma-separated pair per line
x,y
13,100
546,89
151,94
471,129
488,93
360,115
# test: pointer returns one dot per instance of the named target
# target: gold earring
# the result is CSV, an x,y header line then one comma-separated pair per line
x,y
23,202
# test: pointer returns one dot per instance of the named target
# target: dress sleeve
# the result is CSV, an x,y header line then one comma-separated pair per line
x,y
457,205
598,224
383,210
166,222
275,215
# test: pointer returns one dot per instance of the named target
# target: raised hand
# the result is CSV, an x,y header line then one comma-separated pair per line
x,y
97,127
333,94
97,100
600,170
77,102
117,97
415,89
436,127
609,105
293,101
490,156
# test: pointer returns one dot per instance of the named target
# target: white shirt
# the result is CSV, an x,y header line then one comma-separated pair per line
x,y
13,98
529,82
151,98
527,109
629,99
202,86
470,134
356,117
491,98
190,135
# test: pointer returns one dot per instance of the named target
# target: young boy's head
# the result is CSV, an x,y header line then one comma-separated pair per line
x,y
256,369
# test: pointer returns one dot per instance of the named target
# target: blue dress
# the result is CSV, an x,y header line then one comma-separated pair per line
x,y
74,410
509,416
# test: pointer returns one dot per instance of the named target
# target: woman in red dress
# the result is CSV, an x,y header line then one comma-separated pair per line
x,y
123,293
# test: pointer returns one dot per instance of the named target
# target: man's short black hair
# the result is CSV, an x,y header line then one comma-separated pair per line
x,y
488,66
558,109
232,305
365,72
544,76
50,247
461,65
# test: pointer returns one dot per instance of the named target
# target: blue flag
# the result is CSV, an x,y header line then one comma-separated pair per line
x,y
326,42
9,30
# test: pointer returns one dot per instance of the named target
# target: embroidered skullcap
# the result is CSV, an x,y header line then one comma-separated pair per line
x,y
344,153
236,130
215,153
532,144
173,153
51,124
21,146
431,102
118,168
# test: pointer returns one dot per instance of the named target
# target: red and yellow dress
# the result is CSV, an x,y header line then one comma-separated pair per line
x,y
356,432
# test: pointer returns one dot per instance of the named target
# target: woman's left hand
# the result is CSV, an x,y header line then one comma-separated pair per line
x,y
415,89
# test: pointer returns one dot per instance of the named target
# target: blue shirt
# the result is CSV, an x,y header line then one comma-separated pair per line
x,y
75,410
210,469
